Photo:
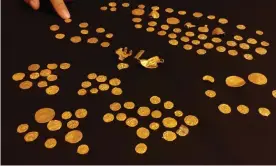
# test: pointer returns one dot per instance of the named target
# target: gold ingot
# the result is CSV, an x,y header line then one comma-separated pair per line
x,y
210,93
165,27
231,43
156,114
169,122
94,90
244,46
185,39
75,39
131,122
178,113
81,113
52,77
116,91
22,128
112,4
201,51
150,29
197,14
92,40
172,36
18,76
25,85
44,115
45,72
82,92
54,27
52,66
221,49
168,105
190,34
154,14
31,136
123,53
241,27
238,37
115,106
138,26
182,12
173,42
259,32
68,20
264,111
84,31
208,78
83,149
188,47
129,105
105,44
223,21
101,78
260,50
173,21
252,41
42,84
143,111
265,43
54,125
169,10
108,117
233,52
203,29
103,8
202,37
64,66
216,40
234,81
195,42
224,108
86,84
104,87
50,143
151,63
143,133
141,148
52,90
73,136
115,81
248,57
274,93
121,117
161,33
83,25
191,120
182,131
138,12
169,136
208,45
243,109
257,78
72,124
189,25
154,126
211,17
125,4
218,31
152,23
177,30
66,115
155,100
92,76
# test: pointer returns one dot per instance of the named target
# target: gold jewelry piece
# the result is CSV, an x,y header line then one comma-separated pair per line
x,y
139,54
151,63
189,25
123,53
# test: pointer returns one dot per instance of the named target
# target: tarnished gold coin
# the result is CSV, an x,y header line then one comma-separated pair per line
x,y
143,111
243,109
188,47
84,31
143,133
68,20
86,84
64,66
182,12
259,32
22,128
265,43
66,115
45,72
82,92
54,125
169,122
138,12
173,42
168,105
75,39
190,34
81,113
31,136
185,39
18,76
211,17
83,149
216,40
210,93
195,42
238,37
154,126
155,100
50,143
52,90
94,90
191,120
116,91
83,25
202,37
112,4
264,111
248,57
54,27
101,78
241,27
231,43
138,26
182,131
52,77
233,52
73,136
208,78
25,85
44,115
92,40
121,117
150,29
177,30
105,44
257,78
34,75
129,105
274,93
173,21
178,113
221,49
125,4
152,23
108,117
92,76
52,66
169,10
59,36
103,8
223,21
136,19
165,27
131,122
104,87
244,46
234,81
115,106
72,124
169,135
252,41
260,50
201,51
224,108
115,82
172,36
141,148
208,45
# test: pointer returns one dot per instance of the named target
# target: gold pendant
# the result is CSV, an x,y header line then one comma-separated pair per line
x,y
151,63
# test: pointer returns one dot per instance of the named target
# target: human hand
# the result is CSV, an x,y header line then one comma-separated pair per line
x,y
58,5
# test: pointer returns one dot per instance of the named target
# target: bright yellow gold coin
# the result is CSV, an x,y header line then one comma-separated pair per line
x,y
211,17
141,148
169,136
54,27
169,122
31,136
154,126
83,149
112,4
248,57
190,34
169,10
92,76
72,124
52,66
129,105
259,32
105,44
210,93
243,109
59,36
75,39
208,45
73,136
66,115
202,37
143,111
185,39
136,19
64,66
241,27
168,105
18,76
141,6
173,21
257,78
150,29
115,106
191,120
238,37
143,133
52,90
34,75
197,14
94,90
244,46
82,92
221,49
155,100
165,27
50,143
109,35
235,81
172,36
52,77
182,12
54,125
101,78
44,115
156,114
115,82
81,113
252,41
100,30
83,25
260,50
108,117
173,42
45,72
265,43
84,31
121,117
264,111
138,12
188,47
125,4
233,52
155,8
178,113
177,30
92,40
131,122
22,128
138,26
116,91
182,131
274,93
86,84
195,42
152,23
25,85
104,87
231,43
201,51
223,21
224,108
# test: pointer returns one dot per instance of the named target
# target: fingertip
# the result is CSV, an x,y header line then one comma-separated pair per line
x,y
64,13
34,4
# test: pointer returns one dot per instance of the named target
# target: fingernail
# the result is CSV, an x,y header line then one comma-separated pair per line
x,y
65,14
33,2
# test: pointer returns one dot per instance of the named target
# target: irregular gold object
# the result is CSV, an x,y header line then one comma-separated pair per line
x,y
257,78
208,78
224,108
168,105
143,111
154,14
31,136
182,131
50,143
139,54
154,126
235,81
22,128
123,53
169,122
143,133
243,109
151,63
44,115
218,31
122,66
203,29
54,125
156,114
73,136
155,100
108,117
264,111
18,76
141,148
131,122
191,120
169,136
189,25
83,149
66,115
210,93
81,113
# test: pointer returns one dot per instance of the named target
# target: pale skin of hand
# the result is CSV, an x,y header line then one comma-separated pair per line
x,y
58,5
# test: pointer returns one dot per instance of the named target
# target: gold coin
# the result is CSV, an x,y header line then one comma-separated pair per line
x,y
260,50
68,20
223,21
22,128
197,14
143,133
211,17
154,126
108,117
173,21
155,8
83,25
84,31
138,12
265,43
64,66
169,122
233,52
52,77
202,37
182,131
169,136
150,29
125,4
52,66
116,91
18,76
141,6
44,115
86,84
82,92
45,72
105,44
188,47
136,19
178,113
216,40
182,12
109,35
221,49
208,78
141,148
113,9
238,37
185,39
103,8
208,45
203,29
131,122
94,90
244,46
92,40
241,27
224,108
173,42
101,78
190,34
73,136
59,36
257,78
252,41
191,120
195,42
121,117
81,113
52,90
115,106
169,10
31,136
115,82
25,85
177,30
231,43
138,26
112,4
201,51
264,111
92,76
165,27
129,105
172,36
161,33
75,39
50,143
100,30
274,93
104,87
54,125
259,32
210,93
66,115
83,149
54,27
168,105
155,100
152,23
156,114
234,81
248,57
72,124
34,75
143,111
243,109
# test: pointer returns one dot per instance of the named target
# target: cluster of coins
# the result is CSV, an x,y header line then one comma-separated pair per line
x,y
172,125
42,77
112,6
255,78
85,32
103,86
46,116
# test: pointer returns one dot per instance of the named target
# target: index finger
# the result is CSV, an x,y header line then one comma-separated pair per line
x,y
61,8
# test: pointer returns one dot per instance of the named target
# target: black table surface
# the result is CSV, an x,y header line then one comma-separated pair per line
x,y
218,139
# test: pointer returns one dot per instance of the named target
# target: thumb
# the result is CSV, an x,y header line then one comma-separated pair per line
x,y
61,8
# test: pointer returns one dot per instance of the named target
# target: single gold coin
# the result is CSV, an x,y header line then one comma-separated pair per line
x,y
221,49
173,42
125,4
115,106
208,45
131,122
182,12
241,27
92,40
45,72
138,12
101,78
161,33
115,81
68,20
129,105
185,39
165,27
92,76
81,113
224,108
188,47
138,26
44,115
260,50
121,117
94,90
152,23
52,66
265,43
202,37
252,41
105,44
150,29
231,43
31,136
248,57
141,148
223,21
143,133
210,93
86,84
109,35
83,149
238,37
208,78
64,66
50,143
169,10
169,136
216,40
25,85
154,126
83,25
177,30
59,36
173,21
82,92
34,75
54,125
264,111
116,91
259,32
172,36
168,105
22,128
136,19
243,109
72,124
52,77
75,39
52,90
54,27
84,31
211,17
73,136
178,113
233,52
66,115
113,9
191,120
169,122
103,8
257,78
244,46
108,117
201,51
156,114
197,14
155,100
104,87
195,42
100,30
112,4
274,93
182,131
18,76
235,81
190,34
143,111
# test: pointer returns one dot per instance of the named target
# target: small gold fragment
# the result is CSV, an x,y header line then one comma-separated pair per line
x,y
190,34
22,128
231,43
150,29
73,136
44,115
154,14
264,111
45,72
201,51
92,76
52,77
274,93
141,148
169,10
82,92
94,90
54,27
138,26
54,125
233,52
241,27
173,42
265,43
52,90
169,122
208,45
155,100
173,21
64,66
116,91
83,25
152,23
178,113
221,49
18,76
197,14
103,8
115,82
115,106
84,31
154,126
188,47
244,46
125,4
238,37
143,133
243,109
224,108
259,32
223,21
72,124
208,78
218,31
129,105
257,78
81,113
169,135
104,87
101,78
31,136
50,143
156,114
151,63
189,25
66,115
252,41
83,149
165,27
59,36
182,12
86,84
182,131
122,66
248,57
123,53
25,85
216,40
138,12
260,50
191,120
68,20
185,39
121,117
168,105
92,40
211,17
143,111
210,93
203,29
131,122
234,81
108,117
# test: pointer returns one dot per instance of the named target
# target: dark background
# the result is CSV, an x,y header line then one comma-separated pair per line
x,y
218,139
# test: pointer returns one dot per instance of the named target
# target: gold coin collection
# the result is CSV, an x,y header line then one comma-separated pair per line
x,y
48,116
133,116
